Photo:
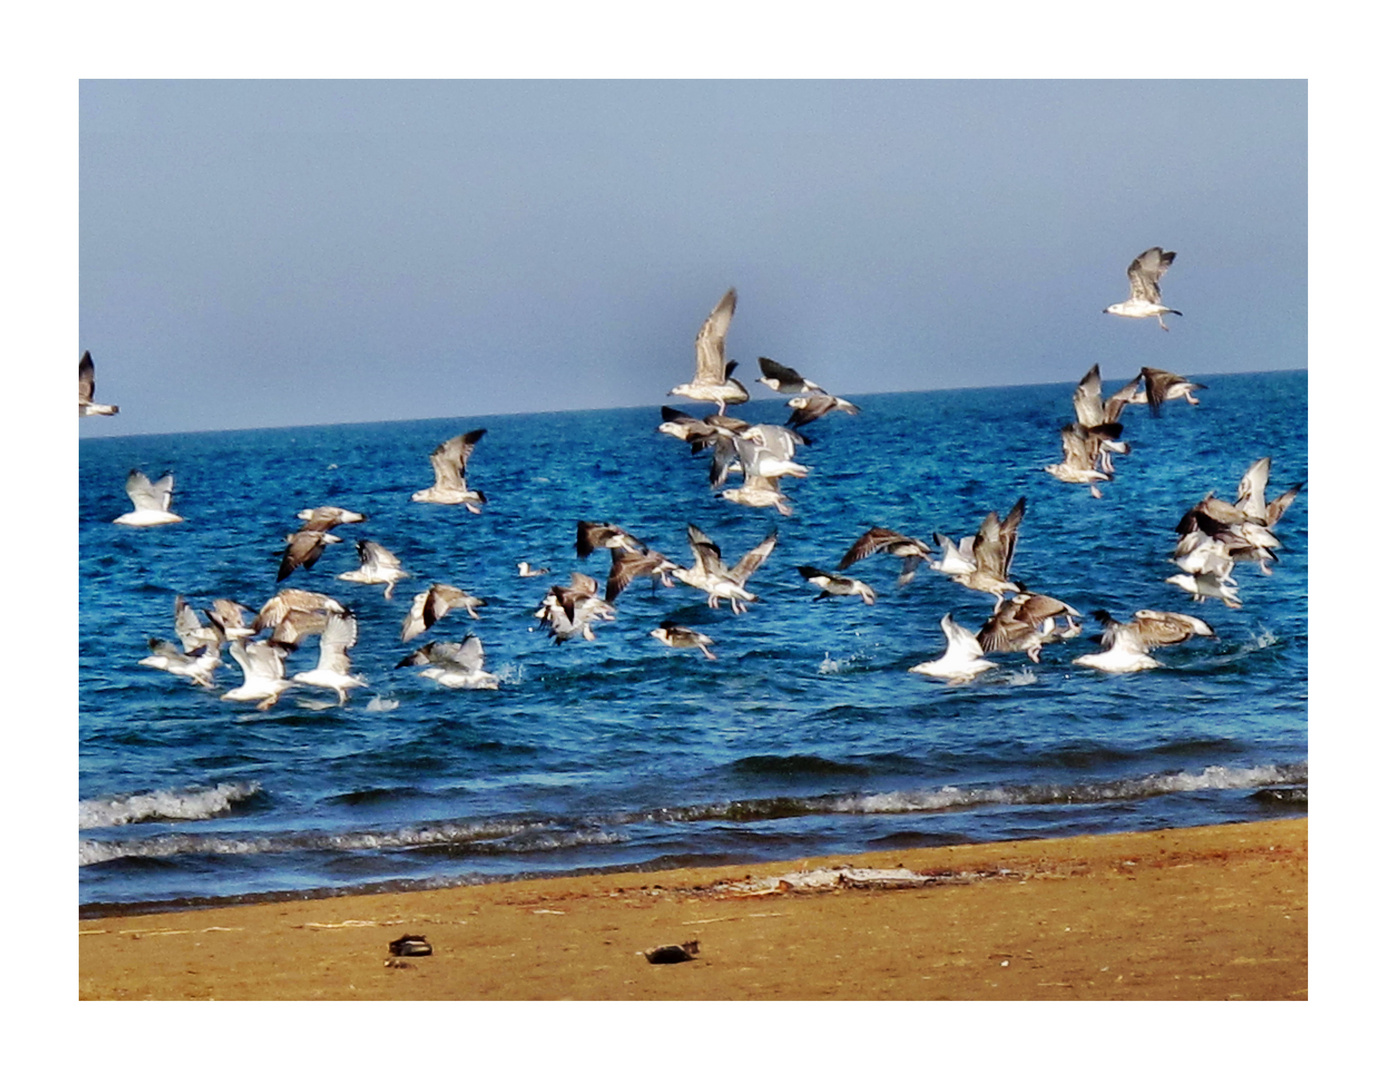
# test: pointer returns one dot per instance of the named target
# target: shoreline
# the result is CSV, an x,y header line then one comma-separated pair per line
x,y
1208,912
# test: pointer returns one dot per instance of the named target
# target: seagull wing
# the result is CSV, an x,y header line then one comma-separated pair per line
x,y
748,563
86,379
1088,398
710,363
707,555
449,459
1146,271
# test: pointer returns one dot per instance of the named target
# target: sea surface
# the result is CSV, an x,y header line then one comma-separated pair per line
x,y
808,735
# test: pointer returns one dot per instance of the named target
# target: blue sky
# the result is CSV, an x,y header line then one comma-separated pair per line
x,y
263,253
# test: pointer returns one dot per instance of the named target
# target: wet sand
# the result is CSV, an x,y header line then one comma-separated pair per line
x,y
1206,913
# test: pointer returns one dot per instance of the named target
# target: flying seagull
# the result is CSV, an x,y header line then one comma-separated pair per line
x,y
449,461
837,584
992,550
962,659
709,574
302,548
1145,301
293,614
435,602
906,548
629,565
378,567
151,500
454,664
592,535
570,610
1128,644
713,379
334,666
682,637
86,387
200,652
1163,386
1026,622
262,665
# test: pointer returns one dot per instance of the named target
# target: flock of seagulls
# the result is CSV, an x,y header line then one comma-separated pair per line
x,y
1214,535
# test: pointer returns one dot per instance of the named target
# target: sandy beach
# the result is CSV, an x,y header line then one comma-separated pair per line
x,y
1193,914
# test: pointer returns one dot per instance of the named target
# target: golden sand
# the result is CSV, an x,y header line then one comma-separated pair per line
x,y
1204,913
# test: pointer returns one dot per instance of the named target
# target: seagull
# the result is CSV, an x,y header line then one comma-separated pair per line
x,y
682,637
698,432
303,548
765,450
449,461
962,659
197,664
86,387
334,666
1252,495
378,567
435,602
993,547
837,585
810,407
1128,644
1083,453
906,548
785,380
601,534
629,565
1207,584
262,665
954,559
526,570
229,618
454,664
1026,622
293,614
200,653
151,500
1162,386
709,574
571,609
322,518
1145,301
759,491
712,379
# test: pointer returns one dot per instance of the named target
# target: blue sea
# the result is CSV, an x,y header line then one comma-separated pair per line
x,y
806,736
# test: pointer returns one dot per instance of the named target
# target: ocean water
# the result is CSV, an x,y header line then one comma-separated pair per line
x,y
806,736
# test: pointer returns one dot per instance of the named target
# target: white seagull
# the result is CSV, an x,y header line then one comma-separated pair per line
x,y
151,500
712,379
1145,300
262,664
962,659
334,666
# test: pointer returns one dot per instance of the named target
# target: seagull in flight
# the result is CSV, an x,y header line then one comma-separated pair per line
x,y
1145,300
1128,645
334,665
682,637
86,387
379,566
449,461
713,379
435,602
962,659
713,577
454,664
151,500
906,548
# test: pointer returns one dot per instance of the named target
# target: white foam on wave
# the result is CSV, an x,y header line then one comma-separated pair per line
x,y
1211,778
188,804
382,704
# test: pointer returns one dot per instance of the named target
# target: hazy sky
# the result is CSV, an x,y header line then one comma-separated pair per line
x,y
262,253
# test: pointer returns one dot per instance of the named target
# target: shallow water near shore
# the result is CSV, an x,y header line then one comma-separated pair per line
x,y
806,736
